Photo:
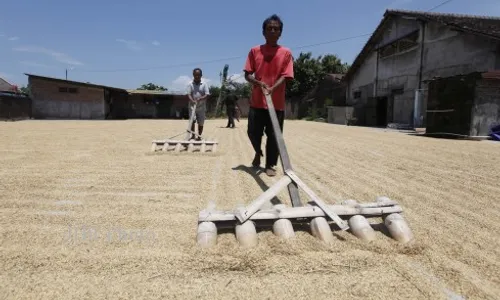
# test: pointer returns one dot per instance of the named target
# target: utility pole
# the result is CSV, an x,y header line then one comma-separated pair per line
x,y
66,74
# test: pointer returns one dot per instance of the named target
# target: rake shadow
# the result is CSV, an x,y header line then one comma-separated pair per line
x,y
380,227
254,172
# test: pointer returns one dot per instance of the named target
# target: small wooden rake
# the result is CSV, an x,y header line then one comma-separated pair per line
x,y
202,144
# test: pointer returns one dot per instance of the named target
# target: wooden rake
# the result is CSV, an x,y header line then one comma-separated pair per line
x,y
177,145
316,212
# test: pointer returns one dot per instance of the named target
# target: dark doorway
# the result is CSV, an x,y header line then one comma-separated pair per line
x,y
382,108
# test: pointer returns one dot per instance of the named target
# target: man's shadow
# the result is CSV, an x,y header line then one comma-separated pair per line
x,y
254,172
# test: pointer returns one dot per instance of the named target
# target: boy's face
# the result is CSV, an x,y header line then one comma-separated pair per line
x,y
272,32
197,76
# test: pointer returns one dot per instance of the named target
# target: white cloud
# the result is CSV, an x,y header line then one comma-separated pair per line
x,y
35,64
156,43
58,56
239,78
132,45
180,83
14,38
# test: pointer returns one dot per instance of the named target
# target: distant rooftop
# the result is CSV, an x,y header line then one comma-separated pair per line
x,y
5,86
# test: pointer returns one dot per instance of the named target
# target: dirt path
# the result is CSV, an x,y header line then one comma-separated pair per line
x,y
87,212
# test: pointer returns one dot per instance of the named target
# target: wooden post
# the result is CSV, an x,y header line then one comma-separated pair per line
x,y
285,160
191,120
244,213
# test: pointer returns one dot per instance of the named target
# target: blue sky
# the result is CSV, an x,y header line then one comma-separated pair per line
x,y
106,42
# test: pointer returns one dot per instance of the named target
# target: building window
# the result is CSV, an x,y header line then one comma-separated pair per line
x,y
406,43
68,90
357,94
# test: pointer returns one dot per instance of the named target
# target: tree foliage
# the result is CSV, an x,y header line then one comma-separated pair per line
x,y
309,71
152,87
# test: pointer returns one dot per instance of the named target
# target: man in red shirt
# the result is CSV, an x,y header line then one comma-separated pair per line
x,y
267,67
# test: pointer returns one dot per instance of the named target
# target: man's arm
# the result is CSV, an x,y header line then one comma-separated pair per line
x,y
207,93
189,93
286,73
250,70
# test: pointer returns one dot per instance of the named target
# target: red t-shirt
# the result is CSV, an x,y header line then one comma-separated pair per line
x,y
268,64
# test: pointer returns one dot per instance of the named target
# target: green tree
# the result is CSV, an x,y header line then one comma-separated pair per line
x,y
309,71
152,87
25,90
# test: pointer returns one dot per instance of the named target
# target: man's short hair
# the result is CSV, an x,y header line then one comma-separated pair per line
x,y
198,69
272,18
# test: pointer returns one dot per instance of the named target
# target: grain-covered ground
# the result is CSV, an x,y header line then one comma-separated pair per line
x,y
86,211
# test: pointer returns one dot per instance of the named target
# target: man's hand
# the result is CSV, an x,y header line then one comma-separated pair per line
x,y
280,81
265,87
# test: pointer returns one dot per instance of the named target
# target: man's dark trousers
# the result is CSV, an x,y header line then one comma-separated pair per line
x,y
230,116
259,122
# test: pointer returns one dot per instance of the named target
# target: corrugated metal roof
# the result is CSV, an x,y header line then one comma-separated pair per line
x,y
151,92
74,82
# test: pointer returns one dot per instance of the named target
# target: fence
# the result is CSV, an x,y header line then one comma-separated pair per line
x,y
14,106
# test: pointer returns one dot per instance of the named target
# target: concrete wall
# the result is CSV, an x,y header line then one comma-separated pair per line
x,y
363,80
448,53
48,102
486,109
141,109
445,53
339,114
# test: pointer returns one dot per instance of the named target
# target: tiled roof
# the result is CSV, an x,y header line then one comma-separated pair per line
x,y
479,25
475,24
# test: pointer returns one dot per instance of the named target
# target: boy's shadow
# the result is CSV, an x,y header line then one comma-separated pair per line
x,y
254,172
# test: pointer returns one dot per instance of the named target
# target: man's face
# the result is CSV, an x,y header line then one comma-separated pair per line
x,y
272,32
197,76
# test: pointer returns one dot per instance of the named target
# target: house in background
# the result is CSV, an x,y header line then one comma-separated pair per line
x,y
387,82
13,104
54,98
